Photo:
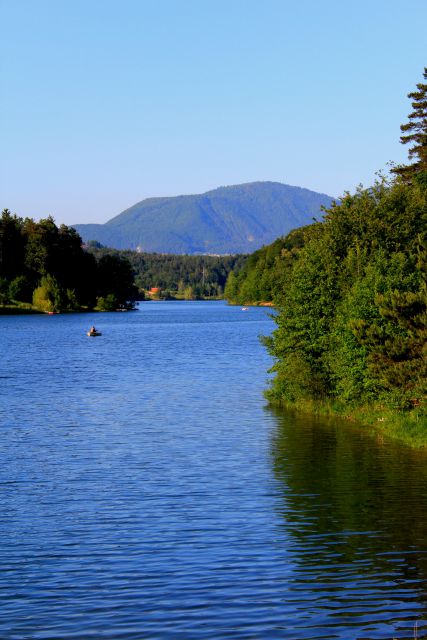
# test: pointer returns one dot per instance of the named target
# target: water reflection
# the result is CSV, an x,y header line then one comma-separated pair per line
x,y
354,510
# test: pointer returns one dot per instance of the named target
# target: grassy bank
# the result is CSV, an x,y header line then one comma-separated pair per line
x,y
408,427
18,309
23,308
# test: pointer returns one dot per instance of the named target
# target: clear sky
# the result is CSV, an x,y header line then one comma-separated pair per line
x,y
104,103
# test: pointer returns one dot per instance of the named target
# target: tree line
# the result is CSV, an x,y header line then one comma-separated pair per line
x,y
45,266
351,294
264,272
183,276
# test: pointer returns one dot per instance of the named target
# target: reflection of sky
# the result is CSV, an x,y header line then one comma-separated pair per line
x,y
354,510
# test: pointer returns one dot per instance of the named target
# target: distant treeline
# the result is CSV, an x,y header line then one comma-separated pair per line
x,y
44,267
264,273
185,276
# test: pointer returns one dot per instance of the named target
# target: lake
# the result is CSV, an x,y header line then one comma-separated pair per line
x,y
147,491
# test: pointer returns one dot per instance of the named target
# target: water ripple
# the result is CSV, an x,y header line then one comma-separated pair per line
x,y
146,491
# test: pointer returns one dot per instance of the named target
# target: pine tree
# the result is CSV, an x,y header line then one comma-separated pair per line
x,y
415,133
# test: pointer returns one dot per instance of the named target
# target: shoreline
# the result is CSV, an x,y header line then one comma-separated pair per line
x,y
6,310
409,428
249,304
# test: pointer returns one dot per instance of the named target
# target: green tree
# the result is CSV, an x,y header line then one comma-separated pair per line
x,y
48,296
300,343
41,247
108,303
20,289
231,287
4,291
397,340
115,276
188,293
415,133
12,243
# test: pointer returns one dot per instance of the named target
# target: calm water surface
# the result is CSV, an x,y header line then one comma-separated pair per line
x,y
147,492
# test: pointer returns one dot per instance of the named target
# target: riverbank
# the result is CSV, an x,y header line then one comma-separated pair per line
x,y
28,309
13,310
408,427
250,304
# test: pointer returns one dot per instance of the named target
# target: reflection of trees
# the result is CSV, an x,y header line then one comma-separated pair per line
x,y
355,510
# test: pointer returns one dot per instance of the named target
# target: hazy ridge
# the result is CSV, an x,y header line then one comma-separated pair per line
x,y
234,219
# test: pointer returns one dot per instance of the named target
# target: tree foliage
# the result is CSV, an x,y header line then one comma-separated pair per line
x,y
187,276
46,264
415,134
352,316
261,277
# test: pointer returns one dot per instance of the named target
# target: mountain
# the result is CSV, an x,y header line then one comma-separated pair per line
x,y
235,219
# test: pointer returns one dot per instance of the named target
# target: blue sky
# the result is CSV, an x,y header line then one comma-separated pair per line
x,y
105,103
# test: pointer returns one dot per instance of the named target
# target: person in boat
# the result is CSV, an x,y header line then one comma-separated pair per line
x,y
92,329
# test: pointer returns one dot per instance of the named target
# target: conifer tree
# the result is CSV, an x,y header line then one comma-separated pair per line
x,y
415,133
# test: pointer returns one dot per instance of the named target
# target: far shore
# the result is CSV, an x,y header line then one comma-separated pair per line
x,y
28,309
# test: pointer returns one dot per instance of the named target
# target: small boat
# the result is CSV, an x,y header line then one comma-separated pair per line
x,y
93,332
244,308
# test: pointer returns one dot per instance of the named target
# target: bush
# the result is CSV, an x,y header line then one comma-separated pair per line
x,y
48,296
20,289
41,300
4,291
107,303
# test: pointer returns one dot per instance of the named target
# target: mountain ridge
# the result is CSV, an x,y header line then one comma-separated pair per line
x,y
227,219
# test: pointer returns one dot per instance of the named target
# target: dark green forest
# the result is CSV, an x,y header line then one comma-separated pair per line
x,y
44,268
351,297
264,273
177,276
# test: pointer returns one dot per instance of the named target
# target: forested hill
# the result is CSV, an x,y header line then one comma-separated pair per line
x,y
227,220
263,275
